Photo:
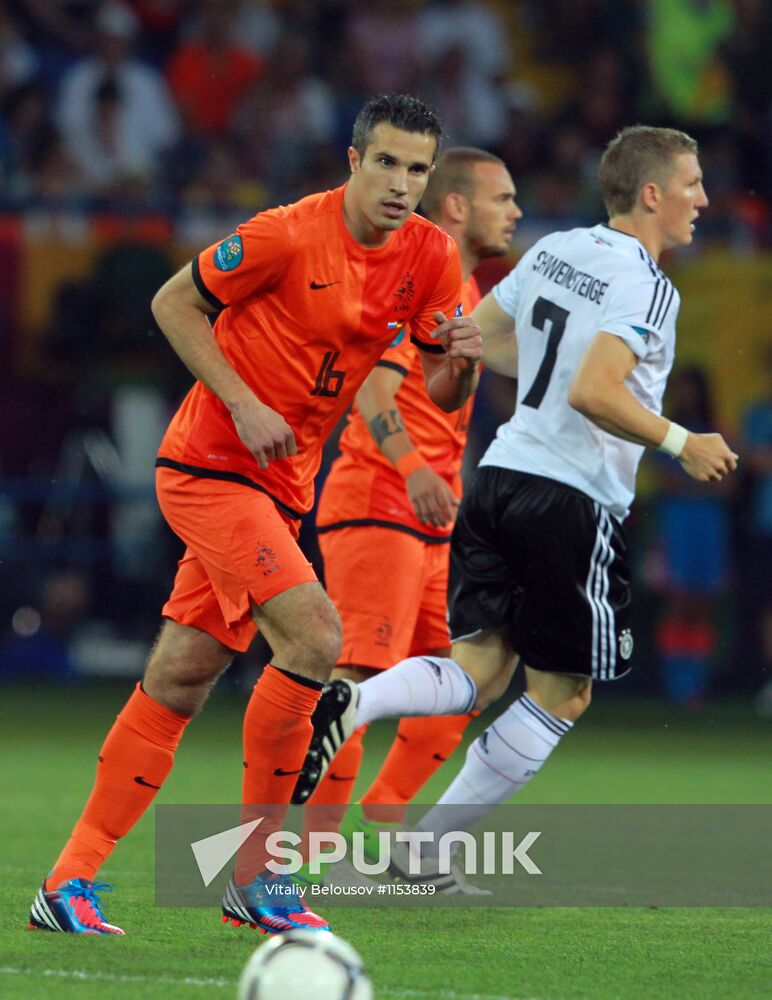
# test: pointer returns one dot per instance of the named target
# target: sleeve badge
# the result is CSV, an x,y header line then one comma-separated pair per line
x,y
229,254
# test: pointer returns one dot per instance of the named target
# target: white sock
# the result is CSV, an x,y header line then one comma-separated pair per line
x,y
498,763
420,685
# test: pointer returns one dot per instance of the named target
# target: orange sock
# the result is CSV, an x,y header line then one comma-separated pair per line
x,y
332,796
421,746
277,732
133,764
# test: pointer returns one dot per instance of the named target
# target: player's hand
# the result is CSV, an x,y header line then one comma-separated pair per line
x,y
264,431
460,337
707,457
434,502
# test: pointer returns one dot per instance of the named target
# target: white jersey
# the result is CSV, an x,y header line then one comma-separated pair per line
x,y
567,288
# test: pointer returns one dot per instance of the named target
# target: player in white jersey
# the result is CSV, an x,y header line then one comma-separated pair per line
x,y
567,287
538,556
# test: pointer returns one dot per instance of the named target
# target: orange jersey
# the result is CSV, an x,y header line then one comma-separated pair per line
x,y
363,484
306,313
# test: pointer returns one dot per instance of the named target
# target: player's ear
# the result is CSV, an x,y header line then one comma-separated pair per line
x,y
354,159
651,195
457,207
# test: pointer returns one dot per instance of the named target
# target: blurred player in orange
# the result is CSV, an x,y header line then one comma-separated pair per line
x,y
387,508
307,296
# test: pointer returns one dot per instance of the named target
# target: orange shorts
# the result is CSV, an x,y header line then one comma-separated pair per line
x,y
240,550
391,591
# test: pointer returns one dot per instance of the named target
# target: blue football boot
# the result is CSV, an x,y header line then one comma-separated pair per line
x,y
73,907
270,903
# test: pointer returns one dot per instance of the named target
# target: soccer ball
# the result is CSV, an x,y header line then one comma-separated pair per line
x,y
299,964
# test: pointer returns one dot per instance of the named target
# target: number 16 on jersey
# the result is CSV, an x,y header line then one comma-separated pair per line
x,y
329,382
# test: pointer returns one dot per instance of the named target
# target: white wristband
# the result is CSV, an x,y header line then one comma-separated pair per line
x,y
675,439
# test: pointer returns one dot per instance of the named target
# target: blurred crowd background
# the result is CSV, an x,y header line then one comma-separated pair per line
x,y
134,133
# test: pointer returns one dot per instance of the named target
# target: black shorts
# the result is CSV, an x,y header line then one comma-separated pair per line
x,y
546,564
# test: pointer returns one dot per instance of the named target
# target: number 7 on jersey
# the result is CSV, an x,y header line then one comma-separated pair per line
x,y
546,311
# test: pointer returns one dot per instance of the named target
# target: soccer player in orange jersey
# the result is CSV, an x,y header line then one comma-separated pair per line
x,y
387,508
306,297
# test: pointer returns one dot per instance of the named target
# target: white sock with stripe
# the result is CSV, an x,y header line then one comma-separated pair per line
x,y
498,763
419,685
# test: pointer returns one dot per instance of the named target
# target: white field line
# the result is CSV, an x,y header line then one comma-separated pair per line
x,y
192,981
84,976
421,994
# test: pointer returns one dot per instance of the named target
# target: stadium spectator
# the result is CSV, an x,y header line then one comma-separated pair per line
x,y
17,59
106,155
565,31
217,184
209,71
111,104
692,542
38,646
388,505
604,96
285,119
60,31
254,26
757,532
687,67
747,54
468,60
523,134
30,143
723,168
476,112
538,554
386,45
257,26
445,25
560,190
234,477
160,22
104,340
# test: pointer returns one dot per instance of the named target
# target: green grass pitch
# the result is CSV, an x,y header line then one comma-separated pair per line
x,y
48,744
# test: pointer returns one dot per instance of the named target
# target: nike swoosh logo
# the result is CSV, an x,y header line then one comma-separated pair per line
x,y
315,285
342,777
281,773
141,781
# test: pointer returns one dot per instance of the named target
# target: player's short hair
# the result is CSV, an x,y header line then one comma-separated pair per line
x,y
400,110
639,154
454,174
